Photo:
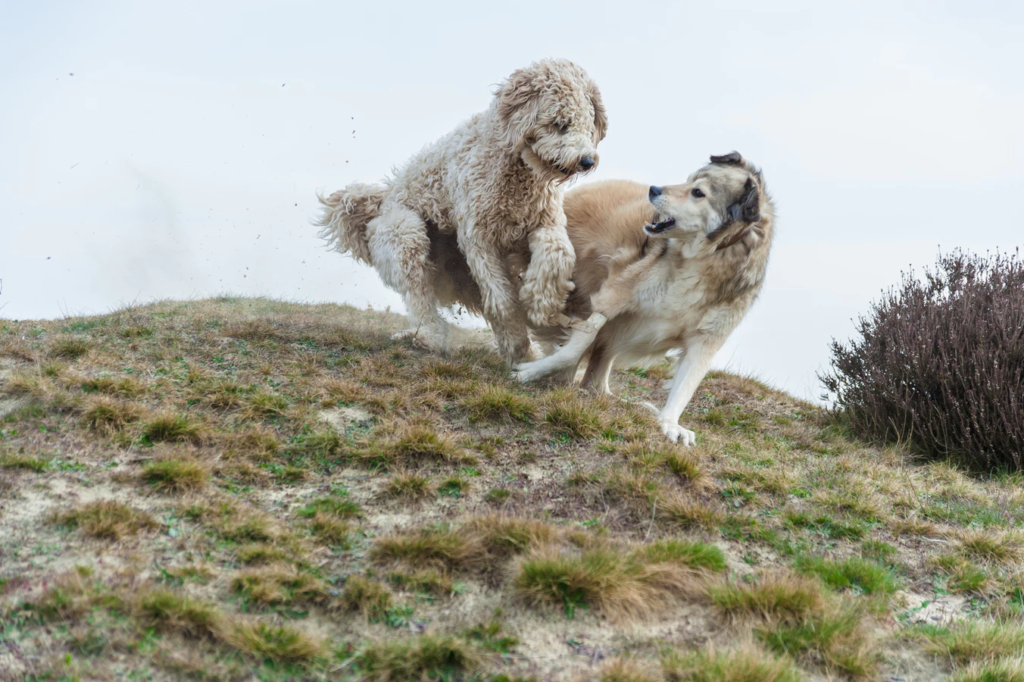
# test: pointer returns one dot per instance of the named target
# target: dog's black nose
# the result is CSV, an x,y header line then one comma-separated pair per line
x,y
586,163
655,192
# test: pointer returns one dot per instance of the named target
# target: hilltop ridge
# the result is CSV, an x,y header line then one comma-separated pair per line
x,y
235,487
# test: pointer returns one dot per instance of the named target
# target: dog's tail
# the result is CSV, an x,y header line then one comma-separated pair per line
x,y
344,217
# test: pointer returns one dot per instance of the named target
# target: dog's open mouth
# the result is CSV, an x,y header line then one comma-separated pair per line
x,y
659,227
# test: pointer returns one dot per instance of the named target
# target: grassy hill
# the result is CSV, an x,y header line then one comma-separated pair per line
x,y
243,489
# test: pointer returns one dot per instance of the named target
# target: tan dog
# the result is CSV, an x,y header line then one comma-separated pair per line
x,y
661,269
441,230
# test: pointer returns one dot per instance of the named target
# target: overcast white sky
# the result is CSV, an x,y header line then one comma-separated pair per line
x,y
182,157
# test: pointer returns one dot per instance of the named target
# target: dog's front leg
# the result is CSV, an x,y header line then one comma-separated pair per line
x,y
689,373
548,279
500,307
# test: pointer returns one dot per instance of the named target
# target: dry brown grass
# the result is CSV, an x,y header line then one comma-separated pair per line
x,y
106,520
968,643
412,446
168,611
422,658
998,547
330,530
282,644
498,403
367,596
408,487
604,577
278,584
775,596
176,473
628,670
109,415
574,415
444,549
482,544
747,663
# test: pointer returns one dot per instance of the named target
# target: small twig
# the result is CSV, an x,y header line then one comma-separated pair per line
x,y
654,511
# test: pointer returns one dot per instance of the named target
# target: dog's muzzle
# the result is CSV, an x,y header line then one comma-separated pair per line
x,y
659,227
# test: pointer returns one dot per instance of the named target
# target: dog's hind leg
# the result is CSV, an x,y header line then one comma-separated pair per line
x,y
599,367
400,248
566,357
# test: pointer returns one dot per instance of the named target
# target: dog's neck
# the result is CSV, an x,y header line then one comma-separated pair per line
x,y
691,246
699,245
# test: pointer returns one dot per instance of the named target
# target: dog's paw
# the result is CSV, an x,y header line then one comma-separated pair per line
x,y
677,434
428,339
544,293
544,308
526,372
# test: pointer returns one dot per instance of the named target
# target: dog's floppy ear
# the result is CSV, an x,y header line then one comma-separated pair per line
x,y
748,207
732,158
519,104
751,202
600,114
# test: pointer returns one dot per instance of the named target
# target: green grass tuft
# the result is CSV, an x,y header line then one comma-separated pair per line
x,y
408,487
368,597
688,553
973,642
69,347
175,475
747,664
1007,670
106,519
850,574
428,657
455,486
497,403
603,577
172,427
170,612
281,644
571,416
11,461
775,596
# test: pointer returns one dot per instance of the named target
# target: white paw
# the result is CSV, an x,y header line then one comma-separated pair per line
x,y
677,434
527,372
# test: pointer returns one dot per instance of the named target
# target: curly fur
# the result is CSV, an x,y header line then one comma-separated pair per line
x,y
447,226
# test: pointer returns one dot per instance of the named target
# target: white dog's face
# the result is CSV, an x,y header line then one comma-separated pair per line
x,y
553,114
711,199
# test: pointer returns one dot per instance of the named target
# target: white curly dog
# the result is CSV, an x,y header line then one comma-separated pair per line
x,y
491,188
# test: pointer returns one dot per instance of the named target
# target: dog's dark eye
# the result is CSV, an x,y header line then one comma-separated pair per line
x,y
697,193
563,128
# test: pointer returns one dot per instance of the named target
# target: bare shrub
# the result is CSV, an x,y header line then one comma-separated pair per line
x,y
939,363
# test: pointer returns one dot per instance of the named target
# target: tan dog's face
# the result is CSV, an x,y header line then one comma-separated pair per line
x,y
554,116
711,200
